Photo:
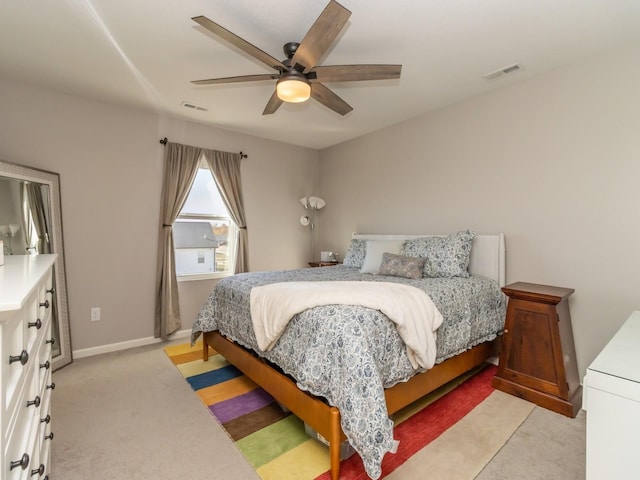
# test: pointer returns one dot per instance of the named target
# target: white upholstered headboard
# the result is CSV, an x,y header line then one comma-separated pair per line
x,y
488,254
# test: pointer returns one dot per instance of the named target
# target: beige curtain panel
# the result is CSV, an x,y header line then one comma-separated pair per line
x,y
180,171
225,168
181,167
36,209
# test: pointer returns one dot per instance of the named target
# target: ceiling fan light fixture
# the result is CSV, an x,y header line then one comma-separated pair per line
x,y
293,87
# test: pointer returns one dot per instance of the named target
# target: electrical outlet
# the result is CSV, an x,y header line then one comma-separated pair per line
x,y
95,314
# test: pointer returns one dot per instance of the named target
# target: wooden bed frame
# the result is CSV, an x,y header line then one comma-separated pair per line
x,y
487,258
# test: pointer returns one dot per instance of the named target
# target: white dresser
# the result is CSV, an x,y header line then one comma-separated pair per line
x,y
25,371
612,402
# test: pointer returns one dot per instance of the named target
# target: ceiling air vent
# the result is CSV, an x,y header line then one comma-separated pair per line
x,y
503,71
193,106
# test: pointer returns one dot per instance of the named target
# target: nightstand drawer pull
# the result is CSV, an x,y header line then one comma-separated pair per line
x,y
39,471
506,330
45,304
45,365
35,401
52,386
23,358
37,324
49,437
52,341
22,463
46,419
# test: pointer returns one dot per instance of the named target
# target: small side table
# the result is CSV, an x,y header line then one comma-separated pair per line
x,y
537,357
323,264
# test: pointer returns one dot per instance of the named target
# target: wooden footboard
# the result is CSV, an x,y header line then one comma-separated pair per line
x,y
324,418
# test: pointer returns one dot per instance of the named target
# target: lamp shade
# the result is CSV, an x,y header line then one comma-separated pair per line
x,y
304,202
9,230
293,88
316,203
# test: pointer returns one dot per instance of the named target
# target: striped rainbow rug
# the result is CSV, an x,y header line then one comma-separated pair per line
x,y
276,445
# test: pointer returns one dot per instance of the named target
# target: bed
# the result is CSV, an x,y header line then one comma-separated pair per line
x,y
344,369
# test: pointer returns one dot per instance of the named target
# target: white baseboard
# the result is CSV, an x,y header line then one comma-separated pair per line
x,y
114,347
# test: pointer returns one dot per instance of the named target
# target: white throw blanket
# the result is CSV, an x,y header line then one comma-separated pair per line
x,y
411,309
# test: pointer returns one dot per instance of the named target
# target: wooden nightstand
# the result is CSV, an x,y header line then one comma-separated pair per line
x,y
323,264
538,358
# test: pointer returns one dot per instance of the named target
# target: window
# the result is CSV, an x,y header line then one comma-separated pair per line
x,y
203,234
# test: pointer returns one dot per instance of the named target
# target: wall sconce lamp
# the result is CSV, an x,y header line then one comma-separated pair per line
x,y
9,231
313,204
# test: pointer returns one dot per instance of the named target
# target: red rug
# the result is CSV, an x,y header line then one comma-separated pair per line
x,y
426,425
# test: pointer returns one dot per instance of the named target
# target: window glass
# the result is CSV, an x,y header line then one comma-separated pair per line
x,y
203,234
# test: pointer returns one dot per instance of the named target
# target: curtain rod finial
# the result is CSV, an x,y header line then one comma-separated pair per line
x,y
243,155
164,141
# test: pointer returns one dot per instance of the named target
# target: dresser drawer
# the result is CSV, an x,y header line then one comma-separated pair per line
x,y
22,430
14,355
42,354
38,316
31,451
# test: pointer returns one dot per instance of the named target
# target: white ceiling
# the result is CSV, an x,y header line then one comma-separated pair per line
x,y
145,52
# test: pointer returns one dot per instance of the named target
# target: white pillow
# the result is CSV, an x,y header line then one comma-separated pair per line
x,y
375,249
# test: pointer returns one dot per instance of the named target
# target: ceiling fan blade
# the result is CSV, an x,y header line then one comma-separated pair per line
x,y
272,105
320,36
236,41
241,78
329,99
353,73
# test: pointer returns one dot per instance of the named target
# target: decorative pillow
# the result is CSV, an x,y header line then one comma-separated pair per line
x,y
375,249
446,256
401,266
355,254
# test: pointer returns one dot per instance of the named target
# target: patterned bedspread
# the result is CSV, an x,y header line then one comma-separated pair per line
x,y
349,354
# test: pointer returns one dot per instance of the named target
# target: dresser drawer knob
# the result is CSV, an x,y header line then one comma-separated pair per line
x,y
52,290
22,463
37,324
49,437
45,304
51,341
45,365
39,471
23,358
35,401
46,419
52,386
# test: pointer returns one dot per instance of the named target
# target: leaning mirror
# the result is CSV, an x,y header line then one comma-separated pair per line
x,y
31,224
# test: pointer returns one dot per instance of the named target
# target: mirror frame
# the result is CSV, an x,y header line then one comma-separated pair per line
x,y
52,179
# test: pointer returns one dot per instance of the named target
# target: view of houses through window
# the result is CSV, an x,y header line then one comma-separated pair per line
x,y
203,233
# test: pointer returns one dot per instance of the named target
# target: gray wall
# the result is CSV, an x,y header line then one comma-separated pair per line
x,y
553,162
110,163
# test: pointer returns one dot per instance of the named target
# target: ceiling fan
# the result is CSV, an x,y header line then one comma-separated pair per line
x,y
298,76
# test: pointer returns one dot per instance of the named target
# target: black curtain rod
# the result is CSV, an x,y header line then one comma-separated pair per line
x,y
164,141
